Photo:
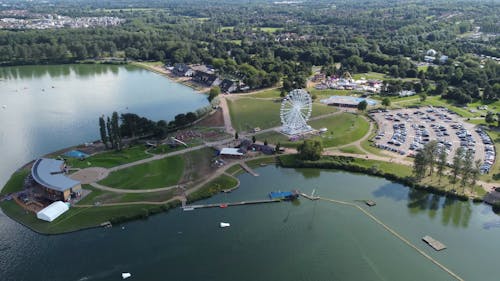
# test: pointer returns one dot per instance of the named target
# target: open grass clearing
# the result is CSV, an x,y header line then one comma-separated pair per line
x,y
155,174
322,94
342,128
75,218
369,75
268,29
222,182
16,181
110,159
351,149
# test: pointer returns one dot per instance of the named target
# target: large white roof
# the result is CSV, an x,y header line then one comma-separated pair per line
x,y
230,151
52,211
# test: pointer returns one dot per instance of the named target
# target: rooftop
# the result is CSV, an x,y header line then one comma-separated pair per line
x,y
48,172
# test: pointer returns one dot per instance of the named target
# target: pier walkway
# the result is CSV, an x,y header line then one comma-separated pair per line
x,y
223,205
248,169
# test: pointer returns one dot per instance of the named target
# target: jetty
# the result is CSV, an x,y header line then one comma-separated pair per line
x,y
225,205
438,246
248,169
310,197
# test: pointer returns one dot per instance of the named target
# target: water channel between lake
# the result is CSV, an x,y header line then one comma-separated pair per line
x,y
305,240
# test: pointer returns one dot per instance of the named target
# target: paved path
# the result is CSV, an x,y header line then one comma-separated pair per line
x,y
121,190
226,115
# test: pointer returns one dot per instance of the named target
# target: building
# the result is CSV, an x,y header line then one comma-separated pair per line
x,y
429,58
207,79
53,211
346,101
283,195
49,174
181,69
232,152
228,86
443,59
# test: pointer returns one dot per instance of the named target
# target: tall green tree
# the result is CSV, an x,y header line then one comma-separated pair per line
x,y
467,166
457,164
441,163
109,128
419,165
362,105
102,131
430,151
386,102
115,128
310,150
214,92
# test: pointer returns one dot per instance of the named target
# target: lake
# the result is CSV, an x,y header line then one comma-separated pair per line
x,y
46,108
305,240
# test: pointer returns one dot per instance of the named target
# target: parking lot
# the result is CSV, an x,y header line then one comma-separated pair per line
x,y
405,131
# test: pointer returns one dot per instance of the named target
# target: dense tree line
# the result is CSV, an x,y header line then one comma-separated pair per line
x,y
381,36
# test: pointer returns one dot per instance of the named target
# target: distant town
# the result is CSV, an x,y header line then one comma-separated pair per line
x,y
22,19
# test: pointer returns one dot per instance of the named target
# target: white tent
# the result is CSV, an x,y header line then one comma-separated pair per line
x,y
52,211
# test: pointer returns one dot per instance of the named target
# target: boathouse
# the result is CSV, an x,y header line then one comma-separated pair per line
x,y
51,177
283,195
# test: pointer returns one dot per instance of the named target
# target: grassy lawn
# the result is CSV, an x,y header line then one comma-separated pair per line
x,y
105,197
423,68
342,128
273,93
15,183
254,163
268,29
322,94
369,75
248,113
234,169
110,159
222,182
227,28
351,149
155,174
76,218
386,167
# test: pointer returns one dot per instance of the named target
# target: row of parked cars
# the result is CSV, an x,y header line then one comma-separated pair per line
x,y
489,152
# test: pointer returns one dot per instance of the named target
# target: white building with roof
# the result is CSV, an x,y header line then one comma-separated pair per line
x,y
53,211
50,175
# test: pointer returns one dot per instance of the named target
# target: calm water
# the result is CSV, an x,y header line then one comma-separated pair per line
x,y
282,241
51,107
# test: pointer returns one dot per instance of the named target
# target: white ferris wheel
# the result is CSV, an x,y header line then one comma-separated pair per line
x,y
295,112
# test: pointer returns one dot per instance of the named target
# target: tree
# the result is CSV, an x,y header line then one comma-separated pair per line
x,y
475,172
423,97
236,136
110,132
419,165
214,92
430,151
277,147
254,139
467,166
102,130
310,150
456,166
362,105
489,117
265,142
441,163
386,102
115,128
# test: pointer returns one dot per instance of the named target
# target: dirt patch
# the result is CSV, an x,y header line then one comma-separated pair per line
x,y
89,175
214,120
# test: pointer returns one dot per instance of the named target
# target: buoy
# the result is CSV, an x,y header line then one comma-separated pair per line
x,y
224,224
126,275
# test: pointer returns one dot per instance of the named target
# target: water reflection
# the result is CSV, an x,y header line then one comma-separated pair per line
x,y
309,173
58,71
452,211
392,191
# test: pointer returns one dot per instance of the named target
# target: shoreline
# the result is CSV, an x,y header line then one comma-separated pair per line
x,y
161,71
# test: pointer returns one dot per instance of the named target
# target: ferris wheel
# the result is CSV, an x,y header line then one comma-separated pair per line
x,y
295,112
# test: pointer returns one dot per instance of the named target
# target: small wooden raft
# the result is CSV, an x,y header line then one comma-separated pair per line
x,y
370,203
438,246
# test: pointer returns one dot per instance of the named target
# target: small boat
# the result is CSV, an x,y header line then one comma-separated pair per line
x,y
223,205
126,275
224,224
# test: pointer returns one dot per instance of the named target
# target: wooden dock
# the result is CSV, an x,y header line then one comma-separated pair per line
x,y
224,205
310,197
438,246
248,169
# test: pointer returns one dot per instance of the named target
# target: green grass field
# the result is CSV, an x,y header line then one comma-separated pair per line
x,y
110,159
248,113
274,93
155,174
268,29
342,128
351,149
369,75
222,182
75,218
15,183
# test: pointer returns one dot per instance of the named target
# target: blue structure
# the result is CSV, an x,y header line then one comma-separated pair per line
x,y
76,154
285,195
